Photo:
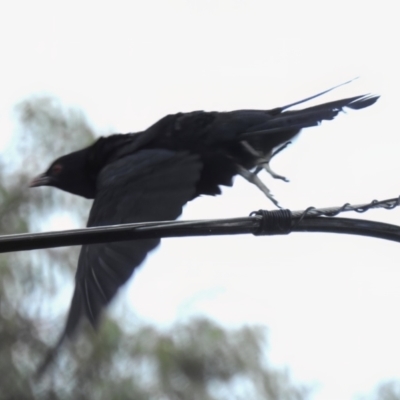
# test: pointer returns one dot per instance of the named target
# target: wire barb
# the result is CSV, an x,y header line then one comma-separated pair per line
x,y
388,204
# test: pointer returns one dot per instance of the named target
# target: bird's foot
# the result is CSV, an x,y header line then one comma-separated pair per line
x,y
255,180
267,168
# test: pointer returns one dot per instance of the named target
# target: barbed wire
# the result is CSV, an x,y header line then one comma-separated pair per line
x,y
388,204
262,222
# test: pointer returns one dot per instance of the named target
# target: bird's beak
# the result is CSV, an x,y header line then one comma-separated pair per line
x,y
41,180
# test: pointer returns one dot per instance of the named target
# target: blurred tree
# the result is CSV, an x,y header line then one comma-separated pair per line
x,y
196,360
389,390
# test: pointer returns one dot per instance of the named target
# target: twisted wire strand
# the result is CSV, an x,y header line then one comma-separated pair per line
x,y
388,204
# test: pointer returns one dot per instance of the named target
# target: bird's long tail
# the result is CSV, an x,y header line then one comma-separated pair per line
x,y
315,95
308,117
265,140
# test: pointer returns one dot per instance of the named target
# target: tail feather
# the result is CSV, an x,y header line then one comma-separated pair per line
x,y
355,103
315,95
308,117
364,102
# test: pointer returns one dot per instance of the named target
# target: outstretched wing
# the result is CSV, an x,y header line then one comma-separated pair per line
x,y
150,185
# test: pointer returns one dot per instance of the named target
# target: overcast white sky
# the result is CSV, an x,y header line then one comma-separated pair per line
x,y
331,302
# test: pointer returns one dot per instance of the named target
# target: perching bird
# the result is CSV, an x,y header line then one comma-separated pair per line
x,y
151,175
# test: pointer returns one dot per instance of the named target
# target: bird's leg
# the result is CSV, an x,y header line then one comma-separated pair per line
x,y
247,146
279,149
268,168
262,161
255,180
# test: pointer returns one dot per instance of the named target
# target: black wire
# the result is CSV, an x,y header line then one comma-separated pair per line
x,y
116,233
235,226
349,226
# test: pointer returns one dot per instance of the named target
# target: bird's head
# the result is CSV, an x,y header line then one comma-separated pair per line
x,y
70,173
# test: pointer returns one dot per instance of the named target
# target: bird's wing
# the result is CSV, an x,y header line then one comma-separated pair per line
x,y
150,185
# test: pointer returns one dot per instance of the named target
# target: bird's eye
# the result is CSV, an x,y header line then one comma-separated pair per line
x,y
56,169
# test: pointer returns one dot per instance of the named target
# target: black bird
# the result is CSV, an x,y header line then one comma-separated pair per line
x,y
151,175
